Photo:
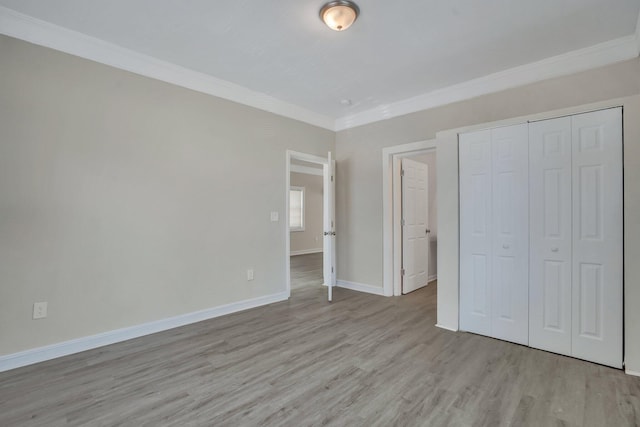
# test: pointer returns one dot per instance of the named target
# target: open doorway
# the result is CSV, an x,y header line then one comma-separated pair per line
x,y
308,164
305,224
423,152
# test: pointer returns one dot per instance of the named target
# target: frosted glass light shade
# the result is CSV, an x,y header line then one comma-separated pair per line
x,y
339,15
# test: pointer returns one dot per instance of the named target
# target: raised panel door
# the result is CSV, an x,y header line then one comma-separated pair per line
x,y
415,211
510,242
475,232
550,235
597,237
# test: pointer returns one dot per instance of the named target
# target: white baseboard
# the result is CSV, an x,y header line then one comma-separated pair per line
x,y
40,354
446,327
360,287
633,373
432,278
305,252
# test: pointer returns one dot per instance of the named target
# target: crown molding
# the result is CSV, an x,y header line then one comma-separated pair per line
x,y
49,35
572,62
27,28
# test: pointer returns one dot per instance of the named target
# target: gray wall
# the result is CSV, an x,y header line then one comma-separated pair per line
x,y
359,187
430,160
311,238
125,200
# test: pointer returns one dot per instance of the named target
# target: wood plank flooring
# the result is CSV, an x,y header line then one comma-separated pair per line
x,y
306,270
362,360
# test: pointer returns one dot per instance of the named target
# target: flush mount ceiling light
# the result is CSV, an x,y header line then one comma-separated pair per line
x,y
339,15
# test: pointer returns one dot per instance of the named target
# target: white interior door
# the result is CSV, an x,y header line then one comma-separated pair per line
x,y
550,235
475,232
510,243
329,219
415,225
597,236
494,233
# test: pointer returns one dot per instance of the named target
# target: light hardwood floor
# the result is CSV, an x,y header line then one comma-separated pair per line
x,y
362,360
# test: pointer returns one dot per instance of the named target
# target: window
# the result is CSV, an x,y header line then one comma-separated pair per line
x,y
296,209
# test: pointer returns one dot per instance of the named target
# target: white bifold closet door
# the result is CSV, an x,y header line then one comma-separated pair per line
x,y
551,231
494,245
476,233
576,236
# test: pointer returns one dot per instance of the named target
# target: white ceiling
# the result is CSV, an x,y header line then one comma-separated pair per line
x,y
396,49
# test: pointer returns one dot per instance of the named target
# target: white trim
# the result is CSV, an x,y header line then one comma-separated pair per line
x,y
390,220
575,61
633,373
360,287
306,170
306,252
446,328
43,33
432,278
53,351
305,157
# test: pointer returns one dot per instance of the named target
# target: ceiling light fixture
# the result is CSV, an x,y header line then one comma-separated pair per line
x,y
339,15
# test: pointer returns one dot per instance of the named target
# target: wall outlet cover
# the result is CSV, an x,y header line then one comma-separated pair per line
x,y
39,310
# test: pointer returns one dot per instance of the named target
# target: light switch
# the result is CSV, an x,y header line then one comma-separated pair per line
x,y
274,216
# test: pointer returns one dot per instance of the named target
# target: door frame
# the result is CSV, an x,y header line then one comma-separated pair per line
x,y
392,211
305,157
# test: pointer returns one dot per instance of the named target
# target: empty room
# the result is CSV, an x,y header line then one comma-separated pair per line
x,y
300,213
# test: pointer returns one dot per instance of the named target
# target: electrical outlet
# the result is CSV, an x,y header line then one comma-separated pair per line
x,y
250,274
274,216
39,310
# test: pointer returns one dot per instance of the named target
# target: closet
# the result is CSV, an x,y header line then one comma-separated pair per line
x,y
541,235
576,236
494,233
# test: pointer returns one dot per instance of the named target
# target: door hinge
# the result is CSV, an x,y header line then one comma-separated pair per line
x,y
331,178
402,172
332,269
402,271
403,222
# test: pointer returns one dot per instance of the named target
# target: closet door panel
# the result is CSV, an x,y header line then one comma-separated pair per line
x,y
510,243
550,235
475,232
597,236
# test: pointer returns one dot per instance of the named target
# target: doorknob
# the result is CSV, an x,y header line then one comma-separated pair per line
x,y
428,231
